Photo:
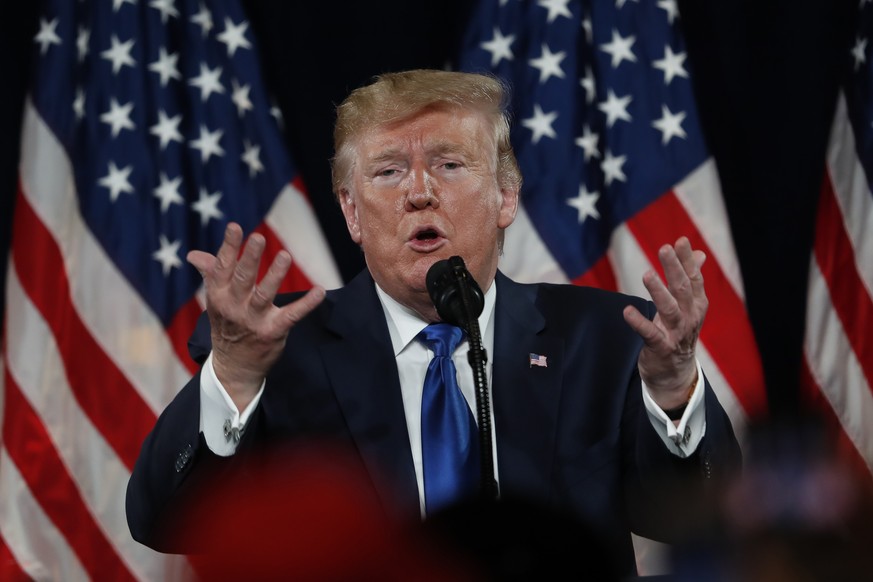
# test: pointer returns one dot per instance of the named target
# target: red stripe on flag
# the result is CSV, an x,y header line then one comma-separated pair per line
x,y
295,280
599,275
10,571
180,330
727,332
98,385
30,447
836,259
812,398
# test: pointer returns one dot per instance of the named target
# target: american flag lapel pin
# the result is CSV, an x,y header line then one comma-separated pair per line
x,y
538,360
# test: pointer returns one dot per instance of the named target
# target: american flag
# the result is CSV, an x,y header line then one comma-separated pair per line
x,y
614,162
538,360
838,351
615,165
147,128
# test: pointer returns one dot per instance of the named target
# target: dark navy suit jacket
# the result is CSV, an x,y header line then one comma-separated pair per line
x,y
573,436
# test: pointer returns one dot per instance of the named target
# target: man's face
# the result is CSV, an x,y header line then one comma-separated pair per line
x,y
423,190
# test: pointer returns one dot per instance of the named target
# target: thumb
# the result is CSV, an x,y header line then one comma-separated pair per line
x,y
202,261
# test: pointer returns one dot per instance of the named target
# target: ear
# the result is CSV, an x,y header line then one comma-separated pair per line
x,y
350,212
508,206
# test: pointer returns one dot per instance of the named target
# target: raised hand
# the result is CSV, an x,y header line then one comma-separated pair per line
x,y
667,361
248,330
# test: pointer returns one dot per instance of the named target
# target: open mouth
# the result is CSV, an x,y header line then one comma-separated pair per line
x,y
428,234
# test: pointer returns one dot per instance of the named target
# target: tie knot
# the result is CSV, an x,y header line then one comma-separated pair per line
x,y
442,338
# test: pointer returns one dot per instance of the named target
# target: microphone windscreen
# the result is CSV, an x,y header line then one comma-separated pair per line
x,y
448,282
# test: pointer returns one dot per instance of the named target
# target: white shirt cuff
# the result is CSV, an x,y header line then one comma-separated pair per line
x,y
681,439
220,421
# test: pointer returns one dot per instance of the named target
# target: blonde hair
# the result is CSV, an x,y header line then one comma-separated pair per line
x,y
393,97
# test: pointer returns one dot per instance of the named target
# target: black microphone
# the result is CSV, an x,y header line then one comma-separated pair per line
x,y
455,294
459,301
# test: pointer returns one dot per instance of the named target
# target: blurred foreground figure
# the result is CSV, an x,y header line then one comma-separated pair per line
x,y
798,513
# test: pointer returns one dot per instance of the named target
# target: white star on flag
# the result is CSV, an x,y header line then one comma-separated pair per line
x,y
587,83
82,43
166,8
234,36
203,19
252,158
168,255
167,129
585,204
859,52
240,97
499,47
208,144
208,81
556,8
165,66
540,123
670,125
620,48
207,206
671,65
119,54
47,35
612,168
79,103
588,142
117,181
615,108
118,116
168,192
549,64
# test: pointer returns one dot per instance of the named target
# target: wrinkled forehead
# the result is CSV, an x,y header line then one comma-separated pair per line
x,y
449,129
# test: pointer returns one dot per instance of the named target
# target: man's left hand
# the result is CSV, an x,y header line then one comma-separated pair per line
x,y
667,363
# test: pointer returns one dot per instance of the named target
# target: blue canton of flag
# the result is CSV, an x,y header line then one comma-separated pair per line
x,y
169,130
605,120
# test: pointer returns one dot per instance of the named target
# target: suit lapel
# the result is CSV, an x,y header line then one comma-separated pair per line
x,y
525,397
363,372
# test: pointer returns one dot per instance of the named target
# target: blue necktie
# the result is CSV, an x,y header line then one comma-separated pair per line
x,y
449,437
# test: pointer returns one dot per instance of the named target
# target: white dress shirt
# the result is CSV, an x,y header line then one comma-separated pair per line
x,y
218,413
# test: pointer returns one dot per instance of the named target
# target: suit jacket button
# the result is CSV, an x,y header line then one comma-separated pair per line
x,y
184,457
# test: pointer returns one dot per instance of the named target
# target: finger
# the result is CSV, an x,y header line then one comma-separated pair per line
x,y
695,273
292,313
678,281
245,273
227,254
266,290
665,302
651,334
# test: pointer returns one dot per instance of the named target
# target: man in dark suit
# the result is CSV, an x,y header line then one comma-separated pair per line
x,y
599,406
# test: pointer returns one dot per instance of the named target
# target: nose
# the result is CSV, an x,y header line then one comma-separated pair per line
x,y
420,193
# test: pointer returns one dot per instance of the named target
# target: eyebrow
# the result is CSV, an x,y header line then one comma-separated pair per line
x,y
440,147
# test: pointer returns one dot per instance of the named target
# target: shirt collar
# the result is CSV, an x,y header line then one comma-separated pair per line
x,y
404,323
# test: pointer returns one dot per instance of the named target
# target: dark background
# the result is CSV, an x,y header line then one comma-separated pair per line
x,y
765,75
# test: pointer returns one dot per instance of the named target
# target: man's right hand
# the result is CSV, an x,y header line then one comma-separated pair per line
x,y
248,330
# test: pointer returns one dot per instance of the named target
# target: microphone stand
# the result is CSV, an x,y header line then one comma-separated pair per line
x,y
477,358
